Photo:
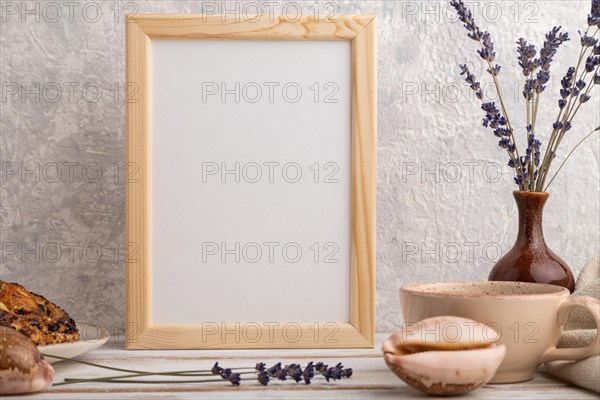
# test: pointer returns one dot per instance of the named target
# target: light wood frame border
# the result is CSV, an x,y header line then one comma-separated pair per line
x,y
140,31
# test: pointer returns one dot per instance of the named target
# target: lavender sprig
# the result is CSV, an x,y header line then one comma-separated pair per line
x,y
526,57
533,88
496,121
575,91
553,41
487,53
531,170
264,375
487,46
535,85
465,15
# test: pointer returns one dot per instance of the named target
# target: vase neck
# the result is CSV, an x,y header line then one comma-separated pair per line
x,y
531,208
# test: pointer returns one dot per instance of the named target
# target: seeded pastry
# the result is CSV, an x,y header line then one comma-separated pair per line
x,y
42,321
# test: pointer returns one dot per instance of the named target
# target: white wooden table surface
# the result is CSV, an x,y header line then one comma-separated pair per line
x,y
371,378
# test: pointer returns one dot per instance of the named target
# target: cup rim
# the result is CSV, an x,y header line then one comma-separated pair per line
x,y
552,290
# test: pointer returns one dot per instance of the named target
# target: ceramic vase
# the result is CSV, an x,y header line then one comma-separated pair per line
x,y
530,259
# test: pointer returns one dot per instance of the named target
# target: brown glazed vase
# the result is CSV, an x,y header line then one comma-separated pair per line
x,y
530,259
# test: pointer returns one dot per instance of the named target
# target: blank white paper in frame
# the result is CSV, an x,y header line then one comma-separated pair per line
x,y
251,157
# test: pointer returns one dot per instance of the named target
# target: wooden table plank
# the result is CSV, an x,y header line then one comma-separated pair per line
x,y
371,377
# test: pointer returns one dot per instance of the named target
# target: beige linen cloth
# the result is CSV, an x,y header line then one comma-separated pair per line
x,y
579,331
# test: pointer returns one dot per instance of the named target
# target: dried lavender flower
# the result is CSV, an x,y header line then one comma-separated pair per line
x,y
334,373
466,17
522,178
533,149
216,370
567,82
591,63
554,39
260,366
281,374
528,89
274,369
594,15
487,53
309,373
320,367
526,59
567,126
277,372
471,80
294,371
541,79
494,119
225,373
588,41
495,70
235,379
263,377
487,50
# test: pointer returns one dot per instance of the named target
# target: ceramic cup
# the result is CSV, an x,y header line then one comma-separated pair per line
x,y
528,316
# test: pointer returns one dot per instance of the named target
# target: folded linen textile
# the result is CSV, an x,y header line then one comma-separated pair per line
x,y
579,331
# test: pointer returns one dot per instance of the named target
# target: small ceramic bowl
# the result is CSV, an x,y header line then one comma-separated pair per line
x,y
444,355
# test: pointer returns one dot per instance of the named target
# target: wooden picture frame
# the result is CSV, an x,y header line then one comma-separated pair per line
x,y
358,332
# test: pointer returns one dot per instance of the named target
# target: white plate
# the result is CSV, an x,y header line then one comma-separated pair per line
x,y
92,337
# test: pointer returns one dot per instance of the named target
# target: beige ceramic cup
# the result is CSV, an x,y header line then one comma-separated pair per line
x,y
528,316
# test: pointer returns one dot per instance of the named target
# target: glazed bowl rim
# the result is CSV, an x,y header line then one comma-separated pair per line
x,y
421,289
